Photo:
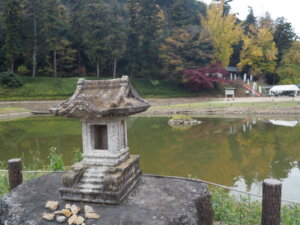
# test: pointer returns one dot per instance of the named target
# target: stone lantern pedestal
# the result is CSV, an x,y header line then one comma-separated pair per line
x,y
107,172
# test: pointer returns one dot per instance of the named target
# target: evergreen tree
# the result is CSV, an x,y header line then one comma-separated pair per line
x,y
284,36
133,41
185,49
117,35
250,21
150,21
33,14
96,20
12,19
54,29
77,30
184,12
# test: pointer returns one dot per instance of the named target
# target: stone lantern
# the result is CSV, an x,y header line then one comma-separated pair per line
x,y
107,172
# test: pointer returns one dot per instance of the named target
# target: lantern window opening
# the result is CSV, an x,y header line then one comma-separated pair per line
x,y
100,137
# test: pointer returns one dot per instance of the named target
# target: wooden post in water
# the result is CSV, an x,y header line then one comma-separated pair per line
x,y
14,173
271,202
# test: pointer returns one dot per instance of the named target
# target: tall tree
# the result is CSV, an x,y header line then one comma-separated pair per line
x,y
284,36
96,20
259,52
133,41
55,25
150,21
185,48
116,35
77,29
33,14
224,31
250,21
12,18
226,6
267,21
289,68
184,12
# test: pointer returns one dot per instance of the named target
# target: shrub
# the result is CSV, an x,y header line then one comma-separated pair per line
x,y
22,69
10,79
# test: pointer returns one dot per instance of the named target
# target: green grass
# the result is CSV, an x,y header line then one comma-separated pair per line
x,y
40,88
47,88
12,109
231,104
243,210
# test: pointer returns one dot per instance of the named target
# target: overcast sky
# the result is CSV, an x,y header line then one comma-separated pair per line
x,y
289,9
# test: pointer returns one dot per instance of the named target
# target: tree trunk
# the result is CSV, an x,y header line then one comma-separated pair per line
x,y
12,65
115,66
79,61
98,70
34,61
55,63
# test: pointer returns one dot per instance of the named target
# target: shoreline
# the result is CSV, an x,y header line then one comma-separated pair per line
x,y
167,107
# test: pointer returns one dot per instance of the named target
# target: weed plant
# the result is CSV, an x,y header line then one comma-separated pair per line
x,y
56,161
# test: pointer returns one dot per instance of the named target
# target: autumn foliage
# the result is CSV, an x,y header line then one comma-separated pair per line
x,y
205,77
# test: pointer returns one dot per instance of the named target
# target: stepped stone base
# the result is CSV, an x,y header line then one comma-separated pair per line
x,y
101,184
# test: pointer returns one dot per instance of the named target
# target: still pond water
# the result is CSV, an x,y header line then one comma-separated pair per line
x,y
234,152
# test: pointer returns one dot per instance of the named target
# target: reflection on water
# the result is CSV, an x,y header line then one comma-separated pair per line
x,y
232,152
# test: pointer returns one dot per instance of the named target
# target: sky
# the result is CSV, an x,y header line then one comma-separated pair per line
x,y
289,9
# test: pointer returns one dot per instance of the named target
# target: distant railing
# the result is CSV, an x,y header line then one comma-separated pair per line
x,y
271,198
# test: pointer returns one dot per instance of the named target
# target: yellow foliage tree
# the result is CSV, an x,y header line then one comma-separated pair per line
x,y
224,31
289,69
259,51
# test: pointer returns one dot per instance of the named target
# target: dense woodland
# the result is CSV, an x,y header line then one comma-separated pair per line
x,y
157,39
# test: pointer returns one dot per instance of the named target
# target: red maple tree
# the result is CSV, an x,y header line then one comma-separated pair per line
x,y
205,77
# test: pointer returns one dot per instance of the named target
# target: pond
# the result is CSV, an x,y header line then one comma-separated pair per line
x,y
239,153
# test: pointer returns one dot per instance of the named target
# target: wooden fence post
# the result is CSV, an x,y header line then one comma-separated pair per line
x,y
14,173
271,202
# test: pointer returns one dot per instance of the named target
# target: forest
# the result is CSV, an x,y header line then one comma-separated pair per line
x,y
155,39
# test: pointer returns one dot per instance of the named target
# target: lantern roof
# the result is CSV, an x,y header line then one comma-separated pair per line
x,y
102,98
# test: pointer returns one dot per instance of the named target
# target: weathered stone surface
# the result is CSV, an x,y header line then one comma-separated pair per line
x,y
72,219
61,219
67,212
52,205
74,209
88,209
99,98
154,201
48,216
112,184
79,220
92,215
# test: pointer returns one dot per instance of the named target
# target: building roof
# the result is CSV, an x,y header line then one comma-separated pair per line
x,y
99,98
